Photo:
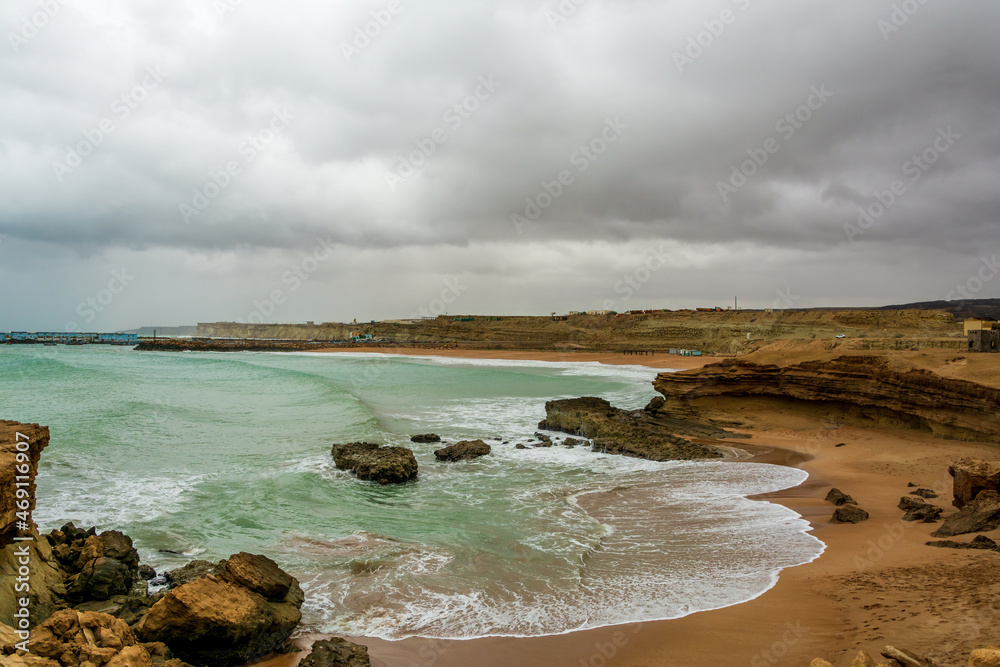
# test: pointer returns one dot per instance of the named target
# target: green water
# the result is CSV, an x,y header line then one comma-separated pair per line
x,y
208,454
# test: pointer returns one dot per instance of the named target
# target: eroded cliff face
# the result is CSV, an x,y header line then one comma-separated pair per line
x,y
880,389
21,446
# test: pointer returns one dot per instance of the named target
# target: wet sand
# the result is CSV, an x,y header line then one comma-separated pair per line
x,y
877,583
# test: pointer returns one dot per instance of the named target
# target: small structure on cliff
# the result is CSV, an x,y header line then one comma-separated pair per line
x,y
978,323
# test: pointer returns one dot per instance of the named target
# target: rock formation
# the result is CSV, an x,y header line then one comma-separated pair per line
x,y
385,465
425,437
246,610
838,498
464,450
637,433
336,652
980,515
918,509
972,476
69,638
978,542
874,389
849,514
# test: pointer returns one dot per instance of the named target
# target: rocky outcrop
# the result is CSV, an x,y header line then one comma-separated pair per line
x,y
189,572
462,451
385,465
21,446
97,565
425,438
637,433
849,514
918,509
247,609
873,389
972,476
980,515
71,638
337,652
838,498
985,657
978,542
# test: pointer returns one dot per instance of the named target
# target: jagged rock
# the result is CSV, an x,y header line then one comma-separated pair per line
x,y
543,437
655,404
849,514
907,658
838,498
227,618
919,510
425,437
924,493
72,637
189,572
146,572
979,542
337,652
14,462
982,514
985,657
573,442
972,476
385,465
464,450
636,433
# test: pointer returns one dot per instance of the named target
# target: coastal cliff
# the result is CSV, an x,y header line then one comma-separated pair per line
x,y
876,389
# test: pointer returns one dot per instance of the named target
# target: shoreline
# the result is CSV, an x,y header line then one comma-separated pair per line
x,y
829,607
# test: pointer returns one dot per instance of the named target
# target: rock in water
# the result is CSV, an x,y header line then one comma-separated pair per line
x,y
838,498
971,477
426,437
336,652
849,514
247,609
461,451
385,465
980,515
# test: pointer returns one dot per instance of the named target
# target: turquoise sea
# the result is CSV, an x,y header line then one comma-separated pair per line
x,y
208,454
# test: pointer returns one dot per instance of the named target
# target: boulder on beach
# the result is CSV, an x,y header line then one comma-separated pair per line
x,y
918,509
462,451
385,465
978,542
985,657
981,515
972,476
838,498
924,493
425,437
849,514
337,652
247,608
97,566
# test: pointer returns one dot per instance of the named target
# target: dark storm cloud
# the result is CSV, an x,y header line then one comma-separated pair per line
x,y
465,124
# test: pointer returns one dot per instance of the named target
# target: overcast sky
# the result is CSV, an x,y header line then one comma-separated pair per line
x,y
169,162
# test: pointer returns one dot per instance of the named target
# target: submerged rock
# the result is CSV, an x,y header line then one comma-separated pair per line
x,y
247,608
385,465
337,652
425,437
464,450
982,514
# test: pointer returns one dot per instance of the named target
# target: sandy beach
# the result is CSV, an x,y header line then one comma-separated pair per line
x,y
877,583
